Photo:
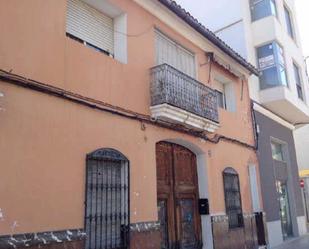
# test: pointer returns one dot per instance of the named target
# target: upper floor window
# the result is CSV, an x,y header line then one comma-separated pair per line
x,y
272,65
172,53
100,28
232,198
262,8
298,81
288,22
277,151
226,97
91,26
221,99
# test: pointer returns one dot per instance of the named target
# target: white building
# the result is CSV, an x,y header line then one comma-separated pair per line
x,y
265,33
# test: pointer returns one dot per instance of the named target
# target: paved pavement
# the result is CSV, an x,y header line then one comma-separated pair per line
x,y
300,243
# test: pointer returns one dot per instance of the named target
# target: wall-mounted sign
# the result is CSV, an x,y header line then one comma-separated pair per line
x,y
266,62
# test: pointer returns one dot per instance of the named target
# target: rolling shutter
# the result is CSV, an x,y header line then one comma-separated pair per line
x,y
169,52
90,25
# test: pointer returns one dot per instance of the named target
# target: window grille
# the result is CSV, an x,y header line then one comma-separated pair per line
x,y
232,198
107,200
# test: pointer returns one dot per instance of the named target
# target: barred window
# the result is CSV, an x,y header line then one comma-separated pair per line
x,y
232,198
107,200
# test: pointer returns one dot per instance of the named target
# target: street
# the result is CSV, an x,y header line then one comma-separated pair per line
x,y
300,243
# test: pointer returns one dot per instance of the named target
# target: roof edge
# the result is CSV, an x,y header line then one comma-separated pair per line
x,y
200,28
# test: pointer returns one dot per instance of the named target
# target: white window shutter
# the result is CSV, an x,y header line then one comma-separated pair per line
x,y
169,52
90,25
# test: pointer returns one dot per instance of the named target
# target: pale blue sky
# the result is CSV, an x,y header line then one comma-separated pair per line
x,y
302,17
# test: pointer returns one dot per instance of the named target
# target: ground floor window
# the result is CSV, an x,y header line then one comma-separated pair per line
x,y
232,198
107,200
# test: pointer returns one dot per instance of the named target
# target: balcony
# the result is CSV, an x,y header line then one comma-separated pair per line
x,y
178,98
285,103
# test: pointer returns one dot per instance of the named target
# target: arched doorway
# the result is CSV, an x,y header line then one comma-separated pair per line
x,y
177,190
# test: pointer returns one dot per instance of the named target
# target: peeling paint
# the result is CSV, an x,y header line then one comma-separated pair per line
x,y
40,239
14,225
145,226
55,238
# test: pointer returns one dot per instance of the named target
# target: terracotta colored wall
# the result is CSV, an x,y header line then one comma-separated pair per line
x,y
44,140
35,46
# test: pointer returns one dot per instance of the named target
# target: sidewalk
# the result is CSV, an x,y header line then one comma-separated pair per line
x,y
299,243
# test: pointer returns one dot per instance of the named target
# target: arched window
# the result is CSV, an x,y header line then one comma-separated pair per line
x,y
107,200
232,198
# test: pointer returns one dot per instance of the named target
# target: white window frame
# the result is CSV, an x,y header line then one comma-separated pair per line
x,y
119,28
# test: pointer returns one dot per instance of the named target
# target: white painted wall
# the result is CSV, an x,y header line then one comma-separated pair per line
x,y
301,137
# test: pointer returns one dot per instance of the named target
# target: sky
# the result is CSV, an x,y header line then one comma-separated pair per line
x,y
301,16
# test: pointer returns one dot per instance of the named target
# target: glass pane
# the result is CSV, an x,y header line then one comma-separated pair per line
x,y
280,54
283,80
298,82
277,152
296,74
288,22
220,99
300,92
262,8
273,7
284,209
265,50
269,78
272,65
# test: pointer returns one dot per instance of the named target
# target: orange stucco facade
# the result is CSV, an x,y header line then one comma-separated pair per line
x,y
44,139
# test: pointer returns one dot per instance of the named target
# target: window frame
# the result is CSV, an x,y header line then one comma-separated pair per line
x,y
289,22
221,94
274,143
83,9
299,81
278,64
253,5
230,172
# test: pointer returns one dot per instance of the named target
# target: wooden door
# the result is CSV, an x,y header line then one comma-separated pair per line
x,y
177,190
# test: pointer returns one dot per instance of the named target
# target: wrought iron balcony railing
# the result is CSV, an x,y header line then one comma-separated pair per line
x,y
170,86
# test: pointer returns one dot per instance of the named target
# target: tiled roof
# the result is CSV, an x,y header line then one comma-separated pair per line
x,y
195,24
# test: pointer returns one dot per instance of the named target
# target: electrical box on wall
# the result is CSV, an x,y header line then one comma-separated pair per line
x,y
203,206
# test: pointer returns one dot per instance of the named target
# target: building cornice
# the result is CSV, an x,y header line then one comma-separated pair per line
x,y
182,22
